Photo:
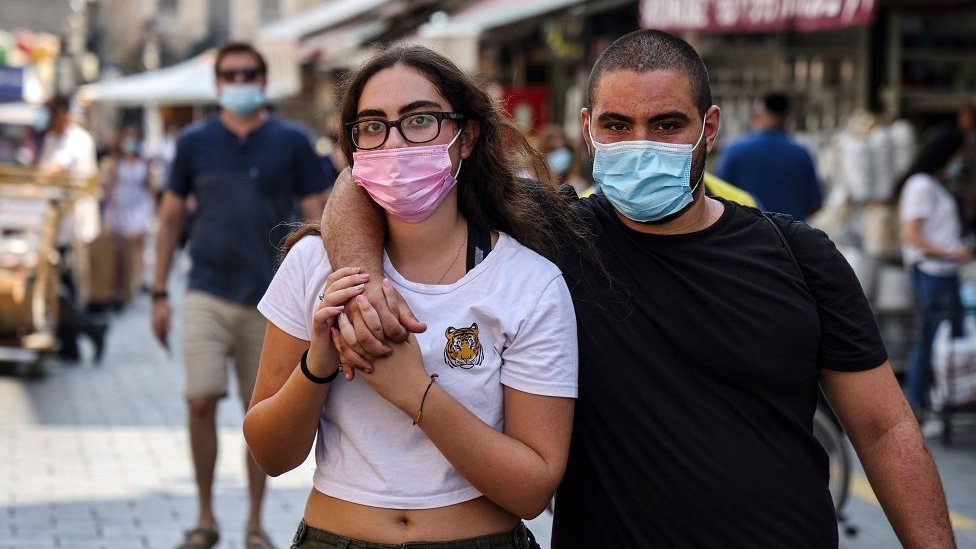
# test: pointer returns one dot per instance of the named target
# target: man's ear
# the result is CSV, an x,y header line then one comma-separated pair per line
x,y
713,121
585,125
469,136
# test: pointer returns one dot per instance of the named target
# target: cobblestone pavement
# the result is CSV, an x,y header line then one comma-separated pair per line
x,y
97,457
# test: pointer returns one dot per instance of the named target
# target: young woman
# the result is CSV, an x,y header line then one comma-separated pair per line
x,y
932,247
128,211
465,428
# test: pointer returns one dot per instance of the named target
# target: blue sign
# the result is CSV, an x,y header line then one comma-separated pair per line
x,y
11,84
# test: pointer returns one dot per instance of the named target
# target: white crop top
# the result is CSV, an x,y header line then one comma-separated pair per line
x,y
509,321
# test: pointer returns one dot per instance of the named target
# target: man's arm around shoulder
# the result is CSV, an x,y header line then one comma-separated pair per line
x,y
354,231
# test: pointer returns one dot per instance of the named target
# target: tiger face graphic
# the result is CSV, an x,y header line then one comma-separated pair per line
x,y
463,349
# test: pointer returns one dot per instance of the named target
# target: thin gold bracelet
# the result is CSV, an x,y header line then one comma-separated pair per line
x,y
433,377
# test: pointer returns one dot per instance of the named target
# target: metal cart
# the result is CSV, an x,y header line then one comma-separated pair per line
x,y
31,207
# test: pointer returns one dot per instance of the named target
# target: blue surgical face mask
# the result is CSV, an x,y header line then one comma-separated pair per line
x,y
241,99
645,180
130,146
42,118
954,169
559,160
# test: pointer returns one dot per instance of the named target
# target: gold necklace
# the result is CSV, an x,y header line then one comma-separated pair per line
x,y
453,261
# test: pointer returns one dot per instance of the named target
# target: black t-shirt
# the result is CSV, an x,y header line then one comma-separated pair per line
x,y
698,384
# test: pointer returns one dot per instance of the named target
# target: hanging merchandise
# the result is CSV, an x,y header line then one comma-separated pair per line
x,y
867,158
954,366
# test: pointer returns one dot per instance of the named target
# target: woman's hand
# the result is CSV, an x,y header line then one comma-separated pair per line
x,y
362,327
399,377
340,286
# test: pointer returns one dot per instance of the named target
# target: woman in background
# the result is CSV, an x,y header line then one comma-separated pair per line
x,y
932,247
128,210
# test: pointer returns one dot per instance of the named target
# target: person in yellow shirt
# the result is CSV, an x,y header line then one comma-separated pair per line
x,y
716,186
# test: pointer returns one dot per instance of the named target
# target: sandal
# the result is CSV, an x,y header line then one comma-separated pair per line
x,y
200,538
258,540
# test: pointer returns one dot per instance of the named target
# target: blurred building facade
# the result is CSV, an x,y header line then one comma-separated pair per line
x,y
168,31
911,59
836,58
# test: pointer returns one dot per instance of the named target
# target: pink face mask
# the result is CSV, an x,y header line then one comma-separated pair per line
x,y
409,182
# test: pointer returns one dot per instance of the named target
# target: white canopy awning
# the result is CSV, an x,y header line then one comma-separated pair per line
x,y
18,114
341,46
329,14
477,17
190,82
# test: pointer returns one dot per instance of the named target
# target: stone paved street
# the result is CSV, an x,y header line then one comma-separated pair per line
x,y
97,457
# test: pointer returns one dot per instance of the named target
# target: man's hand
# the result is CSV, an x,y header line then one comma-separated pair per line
x,y
162,314
366,329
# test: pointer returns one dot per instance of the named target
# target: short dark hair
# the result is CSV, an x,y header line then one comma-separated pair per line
x,y
776,103
59,104
650,50
240,47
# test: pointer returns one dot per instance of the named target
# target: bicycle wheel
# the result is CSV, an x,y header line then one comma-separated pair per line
x,y
831,437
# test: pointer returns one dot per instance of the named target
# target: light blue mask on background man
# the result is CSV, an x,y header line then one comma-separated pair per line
x,y
645,180
42,119
241,99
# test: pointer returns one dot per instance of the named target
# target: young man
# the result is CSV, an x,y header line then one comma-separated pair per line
x,y
770,165
246,169
68,151
700,365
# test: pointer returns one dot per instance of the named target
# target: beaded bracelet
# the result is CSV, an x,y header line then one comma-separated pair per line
x,y
314,378
433,377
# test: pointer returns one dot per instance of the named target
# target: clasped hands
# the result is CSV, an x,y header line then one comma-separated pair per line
x,y
370,329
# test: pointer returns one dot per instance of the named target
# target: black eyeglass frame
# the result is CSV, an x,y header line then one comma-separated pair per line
x,y
248,75
439,115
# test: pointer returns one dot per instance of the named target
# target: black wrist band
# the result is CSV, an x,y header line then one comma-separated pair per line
x,y
314,378
159,294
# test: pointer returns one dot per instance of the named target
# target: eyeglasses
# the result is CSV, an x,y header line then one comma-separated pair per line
x,y
247,75
416,128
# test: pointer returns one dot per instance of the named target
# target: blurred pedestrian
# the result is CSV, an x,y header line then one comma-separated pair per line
x,y
966,122
333,160
770,165
961,173
933,249
129,209
162,158
561,158
68,153
247,169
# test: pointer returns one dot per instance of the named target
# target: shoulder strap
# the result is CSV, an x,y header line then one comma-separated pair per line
x,y
479,245
789,249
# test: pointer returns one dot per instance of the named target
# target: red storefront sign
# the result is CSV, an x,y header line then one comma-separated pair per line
x,y
718,16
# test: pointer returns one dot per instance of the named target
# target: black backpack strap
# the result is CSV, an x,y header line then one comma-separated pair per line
x,y
789,249
479,245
